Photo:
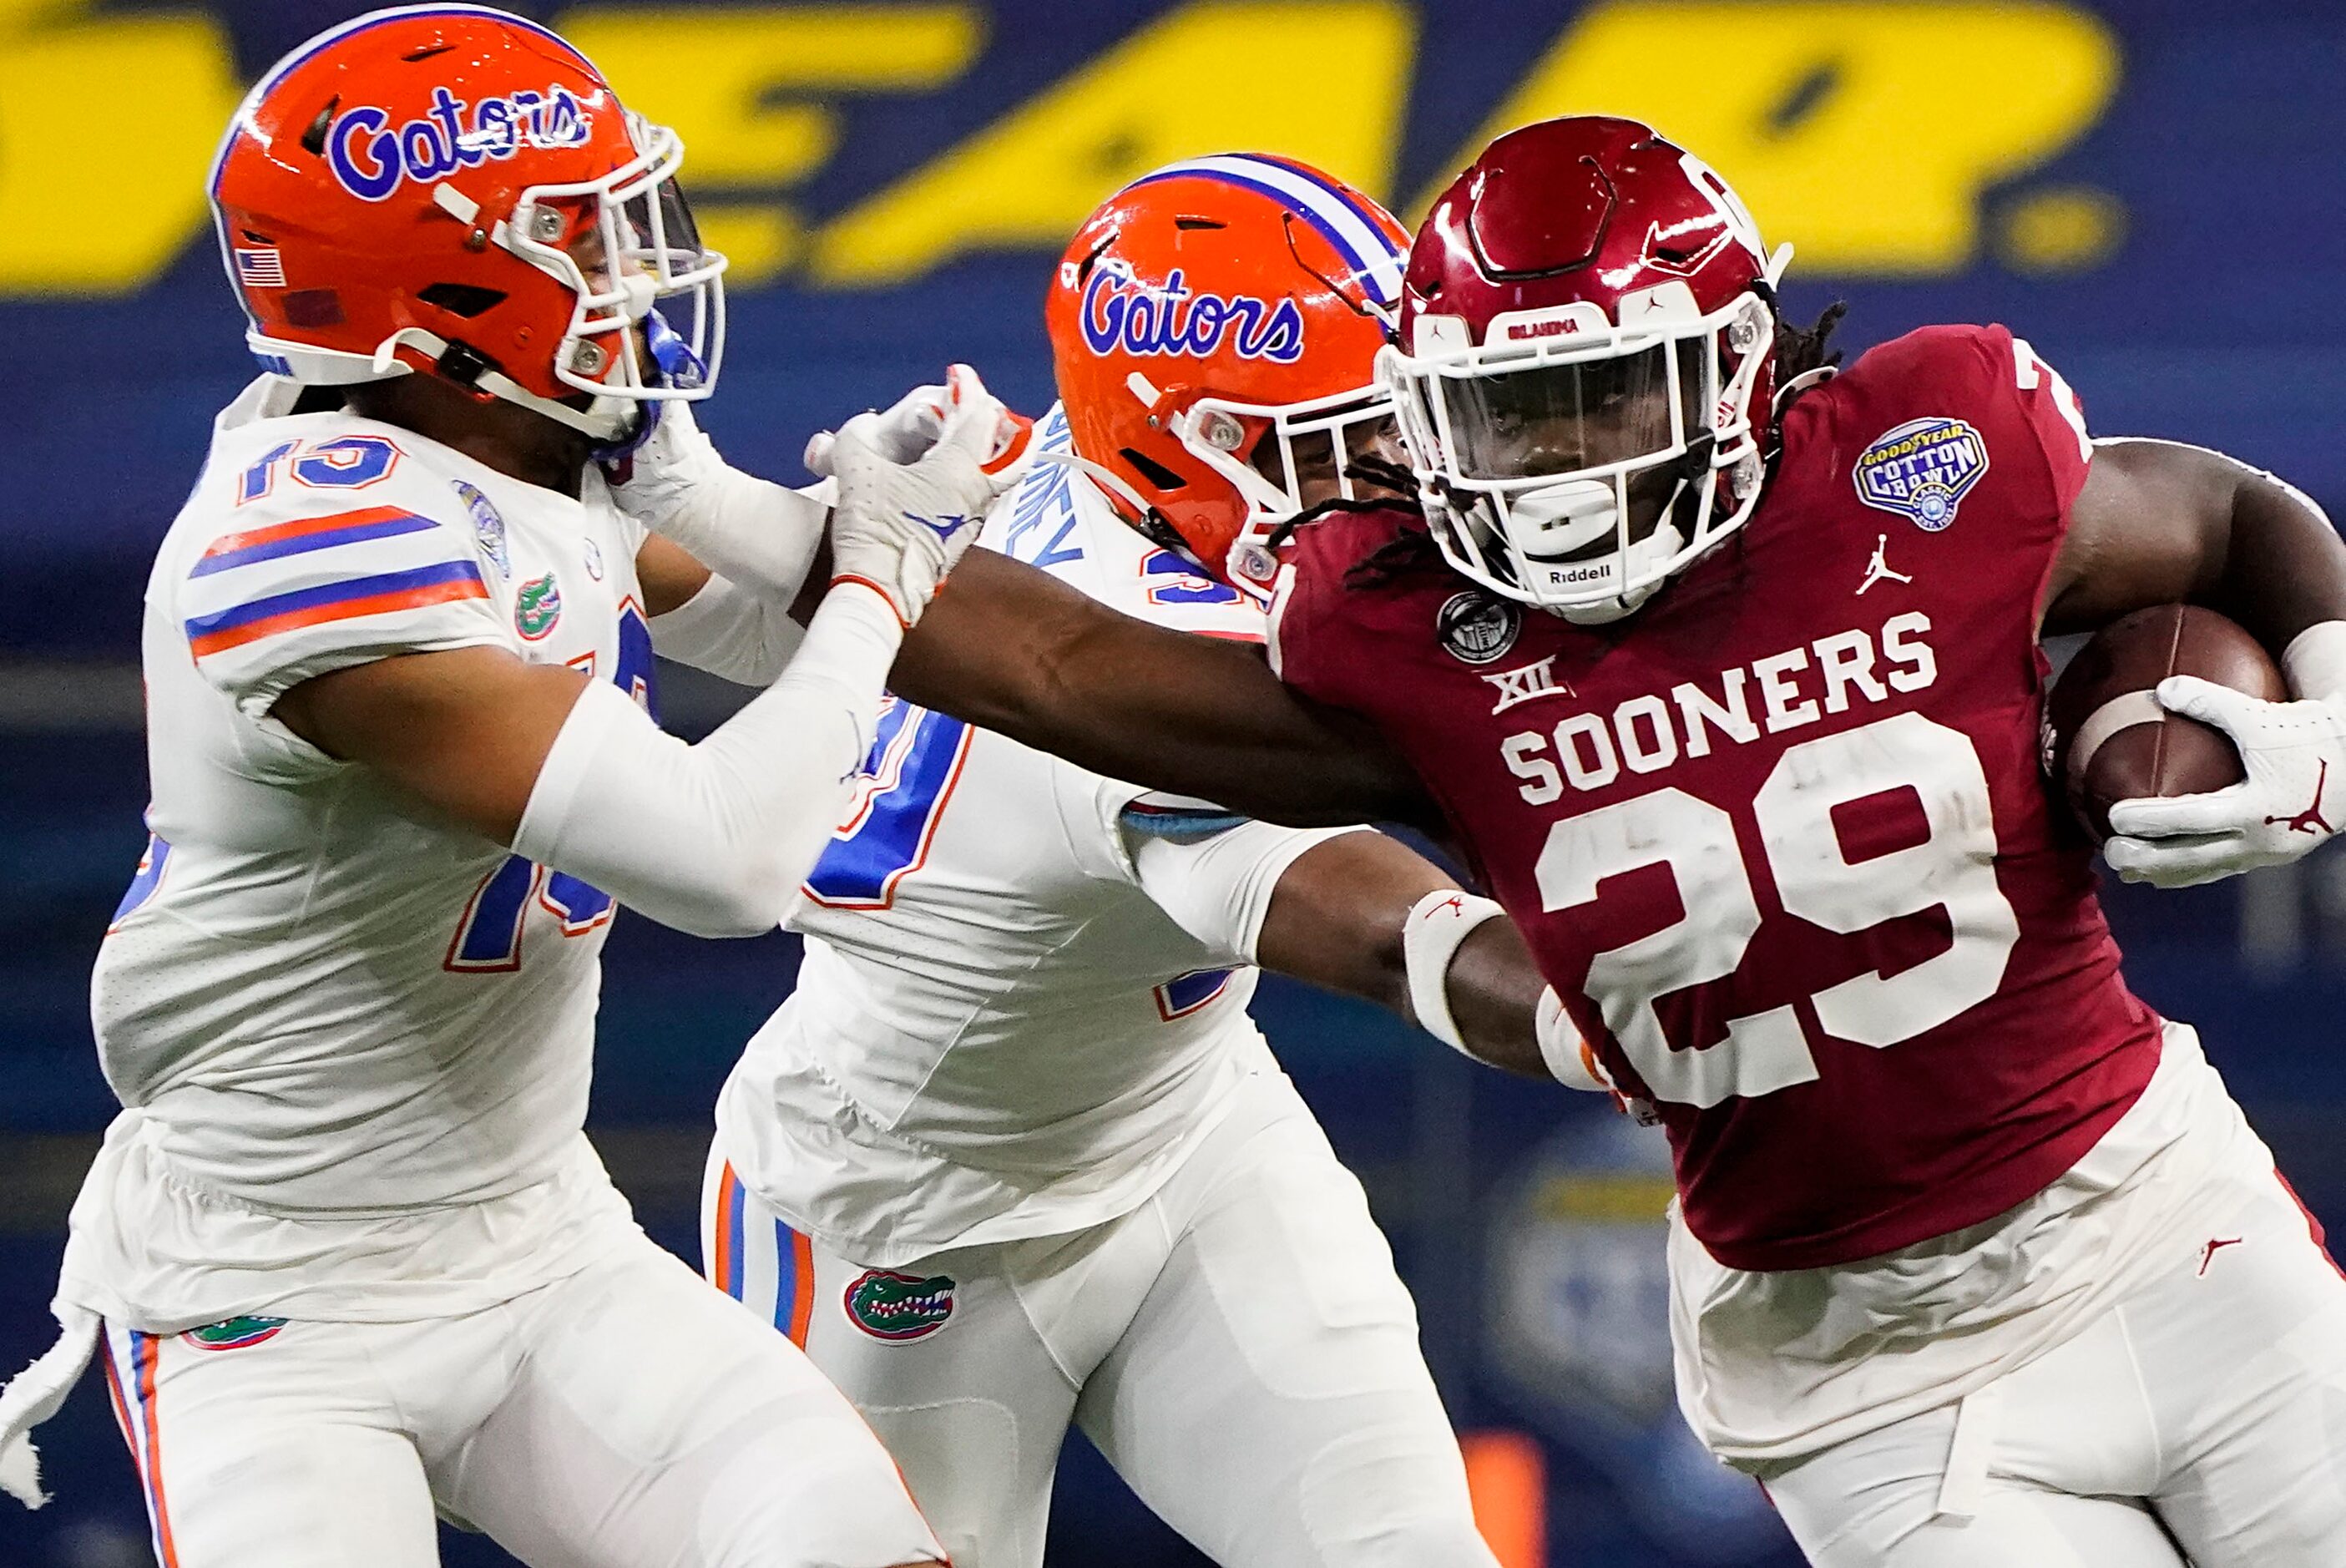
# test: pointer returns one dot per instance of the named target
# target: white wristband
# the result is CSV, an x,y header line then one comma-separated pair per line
x,y
2315,661
1565,1051
1430,937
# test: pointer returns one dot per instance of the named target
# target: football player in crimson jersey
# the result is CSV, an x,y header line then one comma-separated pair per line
x,y
1724,672
346,1255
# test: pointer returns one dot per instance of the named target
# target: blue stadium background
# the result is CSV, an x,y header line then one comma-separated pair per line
x,y
2148,190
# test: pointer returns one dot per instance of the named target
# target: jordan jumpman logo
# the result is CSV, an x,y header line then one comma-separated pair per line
x,y
2310,820
1879,570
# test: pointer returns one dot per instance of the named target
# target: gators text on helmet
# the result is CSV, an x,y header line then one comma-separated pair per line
x,y
1214,327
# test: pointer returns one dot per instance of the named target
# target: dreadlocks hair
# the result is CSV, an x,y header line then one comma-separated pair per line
x,y
1799,350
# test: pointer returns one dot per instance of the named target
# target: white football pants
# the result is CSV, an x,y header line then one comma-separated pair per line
x,y
623,1418
1239,1347
2203,1418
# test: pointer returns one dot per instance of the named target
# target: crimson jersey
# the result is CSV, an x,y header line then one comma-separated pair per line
x,y
1780,840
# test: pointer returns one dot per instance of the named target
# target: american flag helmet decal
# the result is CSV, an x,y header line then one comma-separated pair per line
x,y
260,269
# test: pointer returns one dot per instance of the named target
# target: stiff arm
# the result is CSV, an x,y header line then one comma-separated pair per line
x,y
1013,650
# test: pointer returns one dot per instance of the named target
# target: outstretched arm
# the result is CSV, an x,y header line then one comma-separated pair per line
x,y
2158,522
1362,913
1015,650
1338,919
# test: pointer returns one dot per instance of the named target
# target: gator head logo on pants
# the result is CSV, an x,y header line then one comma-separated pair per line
x,y
233,1333
887,1305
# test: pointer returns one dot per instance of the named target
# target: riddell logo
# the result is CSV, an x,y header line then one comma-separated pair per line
x,y
1518,331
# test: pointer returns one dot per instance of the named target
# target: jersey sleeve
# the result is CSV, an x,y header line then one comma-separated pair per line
x,y
268,600
2056,417
1219,887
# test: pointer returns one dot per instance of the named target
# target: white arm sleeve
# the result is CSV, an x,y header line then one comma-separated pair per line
x,y
729,631
1219,887
760,534
714,838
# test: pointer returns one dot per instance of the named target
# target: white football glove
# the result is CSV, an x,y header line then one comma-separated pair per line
x,y
2285,807
899,527
749,530
907,428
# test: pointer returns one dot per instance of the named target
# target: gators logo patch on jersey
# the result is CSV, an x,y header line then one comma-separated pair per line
x,y
1923,470
233,1333
536,607
887,1305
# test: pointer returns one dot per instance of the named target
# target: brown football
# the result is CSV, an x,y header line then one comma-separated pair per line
x,y
2107,740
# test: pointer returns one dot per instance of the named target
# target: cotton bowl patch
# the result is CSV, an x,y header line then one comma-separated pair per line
x,y
1922,471
887,1305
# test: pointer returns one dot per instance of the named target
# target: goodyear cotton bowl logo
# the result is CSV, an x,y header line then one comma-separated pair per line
x,y
1921,470
370,158
1122,312
887,1305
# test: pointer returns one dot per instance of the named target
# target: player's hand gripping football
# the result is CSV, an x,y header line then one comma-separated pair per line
x,y
2292,800
899,526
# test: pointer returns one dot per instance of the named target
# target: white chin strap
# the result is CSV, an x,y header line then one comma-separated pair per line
x,y
1548,525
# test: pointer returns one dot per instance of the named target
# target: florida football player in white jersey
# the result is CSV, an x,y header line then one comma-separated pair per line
x,y
1012,1156
350,1256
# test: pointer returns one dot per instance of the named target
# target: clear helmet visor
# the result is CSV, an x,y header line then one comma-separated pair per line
x,y
1560,420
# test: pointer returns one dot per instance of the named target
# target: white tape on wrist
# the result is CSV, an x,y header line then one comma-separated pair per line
x,y
1430,939
2315,661
1569,1060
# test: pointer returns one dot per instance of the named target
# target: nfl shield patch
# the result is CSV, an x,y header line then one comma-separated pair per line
x,y
1922,471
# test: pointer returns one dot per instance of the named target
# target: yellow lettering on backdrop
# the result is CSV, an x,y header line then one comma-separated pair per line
x,y
1215,76
1863,132
107,211
715,76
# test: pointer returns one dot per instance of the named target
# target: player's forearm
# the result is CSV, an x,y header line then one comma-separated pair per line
x,y
714,838
1013,650
729,631
1494,990
760,534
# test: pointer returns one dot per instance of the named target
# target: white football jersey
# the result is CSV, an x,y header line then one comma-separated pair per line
x,y
997,1033
314,1002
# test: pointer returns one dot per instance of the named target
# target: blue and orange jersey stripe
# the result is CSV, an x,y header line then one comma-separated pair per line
x,y
379,594
727,1272
307,533
143,1431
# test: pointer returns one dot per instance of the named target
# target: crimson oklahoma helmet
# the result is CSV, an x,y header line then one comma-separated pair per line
x,y
1587,364
451,188
1214,330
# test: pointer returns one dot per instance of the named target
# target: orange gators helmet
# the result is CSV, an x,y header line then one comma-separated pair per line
x,y
1214,327
455,190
